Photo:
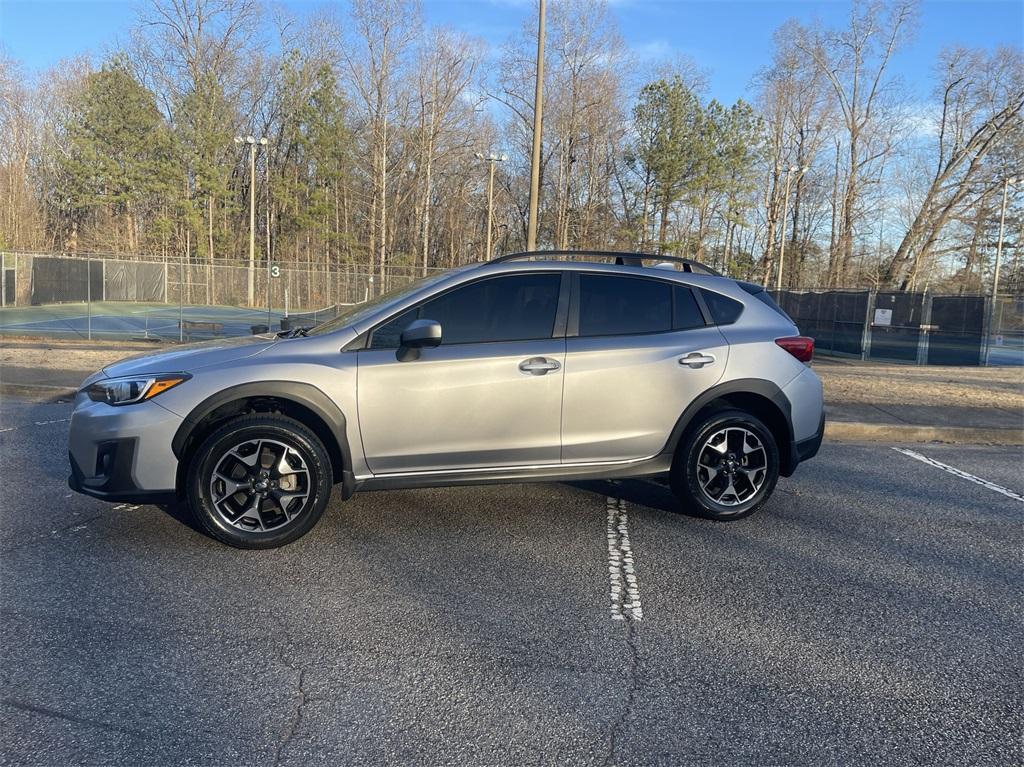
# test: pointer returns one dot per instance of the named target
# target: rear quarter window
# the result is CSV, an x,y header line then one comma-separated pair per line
x,y
764,297
724,310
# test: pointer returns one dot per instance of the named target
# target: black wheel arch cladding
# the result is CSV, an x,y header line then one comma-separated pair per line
x,y
305,396
763,399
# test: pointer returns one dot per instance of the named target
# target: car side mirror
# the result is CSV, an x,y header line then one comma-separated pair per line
x,y
419,334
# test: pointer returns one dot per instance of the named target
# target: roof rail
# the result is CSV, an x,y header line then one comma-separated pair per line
x,y
621,258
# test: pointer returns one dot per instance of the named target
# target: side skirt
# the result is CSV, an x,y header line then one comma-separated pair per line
x,y
647,467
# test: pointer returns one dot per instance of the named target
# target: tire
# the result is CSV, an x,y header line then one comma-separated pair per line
x,y
281,473
716,476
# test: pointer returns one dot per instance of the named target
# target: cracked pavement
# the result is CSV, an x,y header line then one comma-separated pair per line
x,y
863,616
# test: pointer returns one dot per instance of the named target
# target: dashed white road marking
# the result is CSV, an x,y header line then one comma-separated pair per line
x,y
962,474
625,591
126,507
34,423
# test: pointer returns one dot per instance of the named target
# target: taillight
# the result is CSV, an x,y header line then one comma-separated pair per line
x,y
800,347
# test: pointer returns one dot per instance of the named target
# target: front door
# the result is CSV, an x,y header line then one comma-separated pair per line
x,y
489,396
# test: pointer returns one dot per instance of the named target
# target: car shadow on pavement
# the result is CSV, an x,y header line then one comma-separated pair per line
x,y
182,514
652,493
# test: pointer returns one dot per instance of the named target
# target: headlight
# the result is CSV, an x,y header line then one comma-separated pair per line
x,y
125,391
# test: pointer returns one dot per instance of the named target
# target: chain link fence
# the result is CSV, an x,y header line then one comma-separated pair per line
x,y
88,296
108,297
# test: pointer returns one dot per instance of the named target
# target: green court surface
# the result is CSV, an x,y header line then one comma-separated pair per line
x,y
112,319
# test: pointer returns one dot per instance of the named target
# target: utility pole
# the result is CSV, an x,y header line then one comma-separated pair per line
x,y
252,141
492,159
785,216
269,256
538,122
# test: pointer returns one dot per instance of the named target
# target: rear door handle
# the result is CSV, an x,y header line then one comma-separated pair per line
x,y
538,366
696,360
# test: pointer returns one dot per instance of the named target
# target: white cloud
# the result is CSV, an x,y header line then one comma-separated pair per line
x,y
922,120
652,50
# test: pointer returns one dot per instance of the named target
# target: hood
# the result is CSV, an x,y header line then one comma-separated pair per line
x,y
191,356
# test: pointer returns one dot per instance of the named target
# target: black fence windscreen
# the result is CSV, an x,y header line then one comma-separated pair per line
x,y
834,319
66,280
896,326
899,324
129,281
957,330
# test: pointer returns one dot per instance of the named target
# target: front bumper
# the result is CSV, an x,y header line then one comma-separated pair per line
x,y
122,453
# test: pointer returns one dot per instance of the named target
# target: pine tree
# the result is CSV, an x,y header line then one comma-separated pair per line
x,y
121,153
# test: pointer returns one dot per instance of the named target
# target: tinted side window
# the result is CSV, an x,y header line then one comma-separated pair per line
x,y
763,296
768,301
623,305
724,310
514,308
388,335
685,312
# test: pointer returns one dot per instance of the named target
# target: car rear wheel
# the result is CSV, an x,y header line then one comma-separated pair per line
x,y
259,481
727,465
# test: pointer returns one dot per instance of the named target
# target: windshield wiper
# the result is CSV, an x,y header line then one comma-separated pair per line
x,y
295,332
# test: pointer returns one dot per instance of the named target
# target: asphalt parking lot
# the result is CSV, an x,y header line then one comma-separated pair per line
x,y
869,614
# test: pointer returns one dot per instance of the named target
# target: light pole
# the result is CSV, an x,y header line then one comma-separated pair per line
x,y
999,242
252,141
538,99
492,159
785,215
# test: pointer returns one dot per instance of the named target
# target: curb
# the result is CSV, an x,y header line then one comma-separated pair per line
x,y
852,431
38,392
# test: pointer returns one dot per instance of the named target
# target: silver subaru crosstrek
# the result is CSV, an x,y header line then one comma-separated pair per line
x,y
546,366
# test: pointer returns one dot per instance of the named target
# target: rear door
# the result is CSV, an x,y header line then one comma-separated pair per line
x,y
489,396
638,351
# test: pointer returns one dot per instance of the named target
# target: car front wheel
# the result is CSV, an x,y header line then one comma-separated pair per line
x,y
259,481
727,465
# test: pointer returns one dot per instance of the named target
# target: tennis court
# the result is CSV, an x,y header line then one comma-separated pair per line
x,y
110,319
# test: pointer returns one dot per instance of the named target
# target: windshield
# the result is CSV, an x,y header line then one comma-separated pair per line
x,y
349,315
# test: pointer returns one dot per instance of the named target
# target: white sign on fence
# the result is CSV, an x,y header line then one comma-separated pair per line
x,y
275,270
883,317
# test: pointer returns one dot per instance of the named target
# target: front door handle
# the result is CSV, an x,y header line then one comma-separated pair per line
x,y
538,366
696,360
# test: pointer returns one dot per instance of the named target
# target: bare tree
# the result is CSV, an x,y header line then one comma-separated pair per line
x,y
20,219
981,98
855,60
385,31
448,64
798,106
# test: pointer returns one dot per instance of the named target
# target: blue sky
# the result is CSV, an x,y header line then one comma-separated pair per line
x,y
731,39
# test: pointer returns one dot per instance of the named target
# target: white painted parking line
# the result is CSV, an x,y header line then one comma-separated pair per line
x,y
625,591
962,474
